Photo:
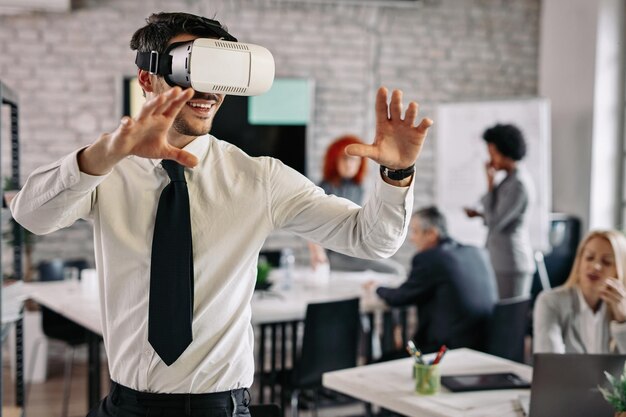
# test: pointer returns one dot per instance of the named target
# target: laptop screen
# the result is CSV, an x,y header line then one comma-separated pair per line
x,y
567,384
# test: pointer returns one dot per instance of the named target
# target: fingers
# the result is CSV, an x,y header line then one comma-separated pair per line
x,y
150,106
362,150
395,107
182,157
177,99
411,113
393,111
382,114
167,104
614,287
424,125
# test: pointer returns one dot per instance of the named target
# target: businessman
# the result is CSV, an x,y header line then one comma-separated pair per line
x,y
175,306
453,286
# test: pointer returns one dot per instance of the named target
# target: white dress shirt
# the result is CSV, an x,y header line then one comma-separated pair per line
x,y
592,325
236,201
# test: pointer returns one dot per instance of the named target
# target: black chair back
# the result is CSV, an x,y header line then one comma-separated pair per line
x,y
265,410
507,328
329,342
564,238
53,324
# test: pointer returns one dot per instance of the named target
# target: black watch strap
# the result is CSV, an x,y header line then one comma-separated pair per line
x,y
397,174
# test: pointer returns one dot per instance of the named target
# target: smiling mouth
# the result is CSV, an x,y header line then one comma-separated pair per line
x,y
202,108
203,104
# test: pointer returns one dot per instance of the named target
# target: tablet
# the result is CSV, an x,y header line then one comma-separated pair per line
x,y
480,382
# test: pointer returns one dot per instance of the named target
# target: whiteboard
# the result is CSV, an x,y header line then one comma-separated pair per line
x,y
462,153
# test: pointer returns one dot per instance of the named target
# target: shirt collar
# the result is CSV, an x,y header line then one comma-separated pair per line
x,y
197,147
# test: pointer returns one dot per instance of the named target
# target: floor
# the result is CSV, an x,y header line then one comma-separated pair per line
x,y
45,399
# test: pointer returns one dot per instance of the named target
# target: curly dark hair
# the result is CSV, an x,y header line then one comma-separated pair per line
x,y
162,27
508,140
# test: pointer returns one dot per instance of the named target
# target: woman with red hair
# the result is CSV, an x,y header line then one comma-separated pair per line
x,y
343,176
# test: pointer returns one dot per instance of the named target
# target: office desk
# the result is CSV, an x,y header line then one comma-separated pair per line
x,y
281,304
390,385
82,306
277,307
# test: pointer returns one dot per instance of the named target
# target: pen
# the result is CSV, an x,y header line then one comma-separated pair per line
x,y
414,351
442,350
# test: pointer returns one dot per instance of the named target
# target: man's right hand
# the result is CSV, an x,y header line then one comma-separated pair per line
x,y
144,136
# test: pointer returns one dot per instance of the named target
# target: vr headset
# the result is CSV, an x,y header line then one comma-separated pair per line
x,y
221,66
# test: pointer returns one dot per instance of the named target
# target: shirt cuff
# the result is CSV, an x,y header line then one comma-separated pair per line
x,y
393,194
74,179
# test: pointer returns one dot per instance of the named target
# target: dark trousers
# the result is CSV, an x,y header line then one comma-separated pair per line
x,y
126,402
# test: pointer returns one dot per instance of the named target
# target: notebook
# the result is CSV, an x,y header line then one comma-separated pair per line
x,y
567,384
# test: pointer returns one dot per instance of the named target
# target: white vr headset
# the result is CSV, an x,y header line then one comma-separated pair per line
x,y
213,66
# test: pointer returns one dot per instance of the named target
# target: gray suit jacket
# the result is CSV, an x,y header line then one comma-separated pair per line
x,y
557,325
505,210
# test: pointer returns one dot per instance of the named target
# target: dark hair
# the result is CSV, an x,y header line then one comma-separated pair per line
x,y
432,218
162,27
508,140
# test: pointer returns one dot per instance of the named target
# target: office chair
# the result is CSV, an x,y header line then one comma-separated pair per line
x,y
564,238
507,328
59,328
329,342
265,410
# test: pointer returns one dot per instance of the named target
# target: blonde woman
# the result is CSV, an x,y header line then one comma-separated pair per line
x,y
587,314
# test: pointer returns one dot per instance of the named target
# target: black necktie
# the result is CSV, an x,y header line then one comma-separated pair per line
x,y
171,272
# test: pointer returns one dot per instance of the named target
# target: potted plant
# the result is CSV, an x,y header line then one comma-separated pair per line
x,y
616,393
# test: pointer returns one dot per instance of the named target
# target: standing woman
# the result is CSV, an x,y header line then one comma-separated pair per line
x,y
587,314
505,211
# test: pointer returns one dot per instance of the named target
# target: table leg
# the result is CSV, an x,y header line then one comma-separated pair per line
x,y
94,394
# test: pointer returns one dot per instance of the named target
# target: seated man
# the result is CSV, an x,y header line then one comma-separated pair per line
x,y
453,286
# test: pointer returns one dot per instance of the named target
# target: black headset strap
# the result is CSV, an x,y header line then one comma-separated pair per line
x,y
161,64
154,62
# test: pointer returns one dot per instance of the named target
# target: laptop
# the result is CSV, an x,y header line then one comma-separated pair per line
x,y
567,384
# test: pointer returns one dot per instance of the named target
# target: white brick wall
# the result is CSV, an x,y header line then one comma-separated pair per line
x,y
67,69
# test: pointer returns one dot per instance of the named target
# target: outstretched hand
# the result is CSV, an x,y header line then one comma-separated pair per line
x,y
398,142
146,135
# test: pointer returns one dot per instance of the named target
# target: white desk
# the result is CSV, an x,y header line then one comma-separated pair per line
x,y
390,385
280,305
81,305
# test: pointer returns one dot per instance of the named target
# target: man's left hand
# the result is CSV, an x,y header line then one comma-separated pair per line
x,y
398,142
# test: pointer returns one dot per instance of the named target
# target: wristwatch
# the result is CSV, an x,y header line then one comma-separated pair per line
x,y
397,174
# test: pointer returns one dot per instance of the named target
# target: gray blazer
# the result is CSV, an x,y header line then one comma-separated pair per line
x,y
505,210
556,327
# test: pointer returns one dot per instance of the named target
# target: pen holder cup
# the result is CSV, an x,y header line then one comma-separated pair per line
x,y
427,379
